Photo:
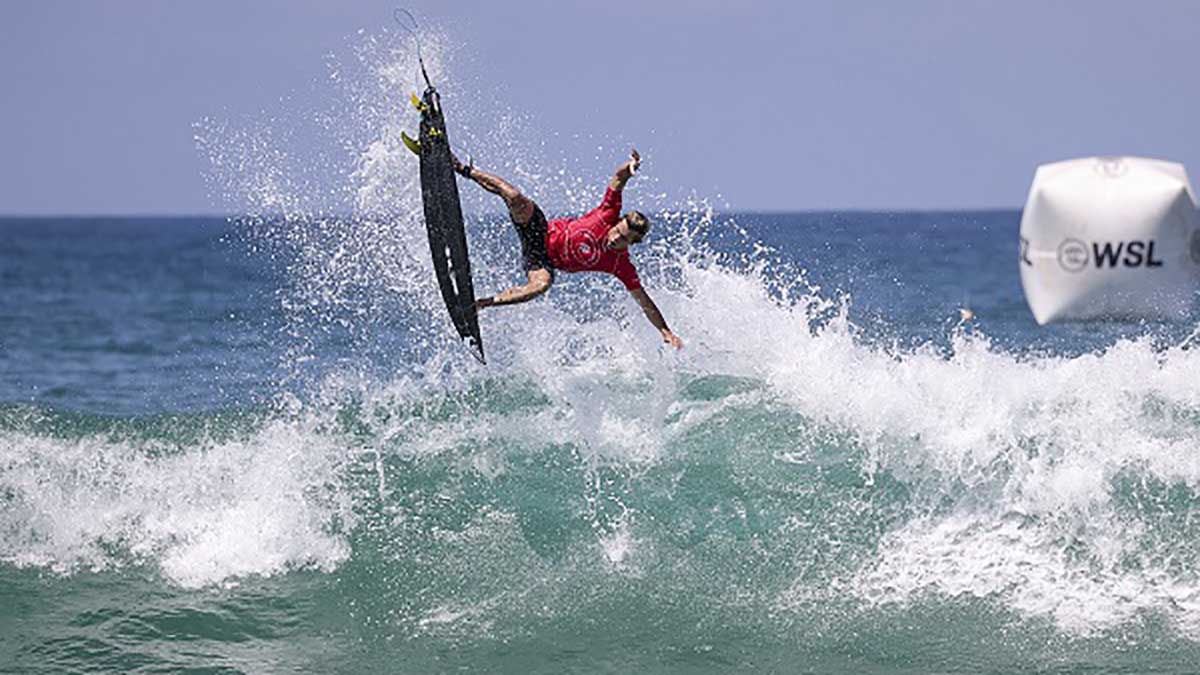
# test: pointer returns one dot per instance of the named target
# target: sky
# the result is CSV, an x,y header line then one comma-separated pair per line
x,y
757,105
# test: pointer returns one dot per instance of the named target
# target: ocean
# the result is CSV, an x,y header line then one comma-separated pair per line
x,y
255,445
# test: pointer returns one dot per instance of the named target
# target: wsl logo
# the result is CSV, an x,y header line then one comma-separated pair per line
x,y
1075,255
1072,255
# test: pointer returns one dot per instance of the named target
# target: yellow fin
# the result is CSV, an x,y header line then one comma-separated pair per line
x,y
417,103
411,143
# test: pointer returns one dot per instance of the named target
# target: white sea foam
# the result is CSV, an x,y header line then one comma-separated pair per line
x,y
255,506
1027,450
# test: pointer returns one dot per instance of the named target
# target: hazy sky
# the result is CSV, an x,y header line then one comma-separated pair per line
x,y
784,105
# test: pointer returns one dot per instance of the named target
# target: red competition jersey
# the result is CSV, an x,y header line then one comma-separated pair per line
x,y
577,244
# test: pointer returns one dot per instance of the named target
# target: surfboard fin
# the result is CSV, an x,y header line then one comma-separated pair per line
x,y
411,143
418,103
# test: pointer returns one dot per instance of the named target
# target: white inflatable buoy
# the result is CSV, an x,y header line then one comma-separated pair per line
x,y
1110,237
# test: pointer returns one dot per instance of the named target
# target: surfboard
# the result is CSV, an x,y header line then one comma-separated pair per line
x,y
444,221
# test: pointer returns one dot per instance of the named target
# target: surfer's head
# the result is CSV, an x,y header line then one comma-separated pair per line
x,y
630,229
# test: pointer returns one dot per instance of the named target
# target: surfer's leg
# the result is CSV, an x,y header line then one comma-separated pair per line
x,y
534,259
539,282
519,206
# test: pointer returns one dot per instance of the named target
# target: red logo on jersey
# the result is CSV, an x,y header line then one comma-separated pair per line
x,y
584,248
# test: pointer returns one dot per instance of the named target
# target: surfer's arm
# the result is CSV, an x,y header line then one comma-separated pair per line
x,y
625,171
656,318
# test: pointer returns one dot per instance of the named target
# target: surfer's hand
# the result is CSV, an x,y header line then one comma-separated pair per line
x,y
484,302
672,339
628,168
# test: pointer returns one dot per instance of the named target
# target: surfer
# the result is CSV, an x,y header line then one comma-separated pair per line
x,y
598,241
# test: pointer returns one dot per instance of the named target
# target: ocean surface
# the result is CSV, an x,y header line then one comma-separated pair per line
x,y
255,445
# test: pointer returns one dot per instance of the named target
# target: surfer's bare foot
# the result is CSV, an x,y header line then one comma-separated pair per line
x,y
672,339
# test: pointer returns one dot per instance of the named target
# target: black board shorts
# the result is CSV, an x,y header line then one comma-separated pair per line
x,y
533,243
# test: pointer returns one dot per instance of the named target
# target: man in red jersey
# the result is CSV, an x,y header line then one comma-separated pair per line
x,y
596,242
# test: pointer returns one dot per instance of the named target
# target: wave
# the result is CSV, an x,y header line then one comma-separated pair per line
x,y
1060,488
